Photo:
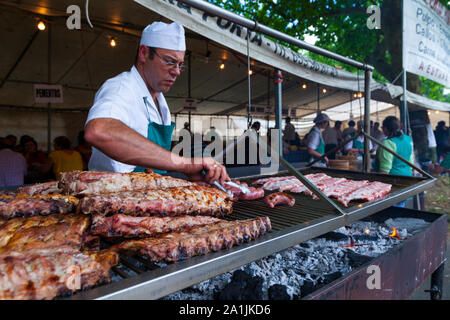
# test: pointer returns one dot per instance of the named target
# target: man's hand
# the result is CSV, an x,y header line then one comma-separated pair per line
x,y
214,171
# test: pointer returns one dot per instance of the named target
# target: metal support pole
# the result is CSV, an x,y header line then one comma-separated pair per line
x,y
278,109
49,74
404,109
367,78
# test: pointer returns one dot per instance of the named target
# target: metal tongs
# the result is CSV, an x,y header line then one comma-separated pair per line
x,y
241,187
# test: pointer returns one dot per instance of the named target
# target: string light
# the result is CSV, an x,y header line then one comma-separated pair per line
x,y
113,42
41,25
324,90
304,86
222,66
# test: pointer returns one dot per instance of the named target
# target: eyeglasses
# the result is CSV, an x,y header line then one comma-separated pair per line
x,y
171,64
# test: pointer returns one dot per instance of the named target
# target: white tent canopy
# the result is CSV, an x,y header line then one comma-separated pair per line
x,y
81,60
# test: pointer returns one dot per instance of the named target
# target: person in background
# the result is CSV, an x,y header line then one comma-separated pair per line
x,y
289,131
432,143
377,134
84,148
332,137
356,145
401,144
13,166
444,166
442,139
256,126
10,142
315,143
63,159
36,160
349,131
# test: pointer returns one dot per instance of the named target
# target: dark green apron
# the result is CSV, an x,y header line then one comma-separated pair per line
x,y
320,148
161,135
358,145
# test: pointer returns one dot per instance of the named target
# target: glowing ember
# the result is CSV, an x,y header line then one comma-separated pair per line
x,y
395,234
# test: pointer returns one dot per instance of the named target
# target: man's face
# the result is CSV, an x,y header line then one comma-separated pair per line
x,y
161,72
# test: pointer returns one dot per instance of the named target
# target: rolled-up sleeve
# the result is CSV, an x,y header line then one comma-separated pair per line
x,y
111,101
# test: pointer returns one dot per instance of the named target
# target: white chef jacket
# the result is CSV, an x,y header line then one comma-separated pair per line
x,y
122,98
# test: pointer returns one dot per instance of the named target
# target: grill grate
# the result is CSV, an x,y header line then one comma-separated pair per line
x,y
306,213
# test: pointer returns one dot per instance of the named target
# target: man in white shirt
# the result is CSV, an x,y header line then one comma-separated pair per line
x,y
129,125
332,137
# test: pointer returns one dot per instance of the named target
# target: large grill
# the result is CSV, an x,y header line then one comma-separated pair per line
x,y
137,278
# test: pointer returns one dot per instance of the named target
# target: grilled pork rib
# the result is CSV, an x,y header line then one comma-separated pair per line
x,y
48,276
23,205
198,240
120,225
190,200
278,199
96,182
50,187
57,233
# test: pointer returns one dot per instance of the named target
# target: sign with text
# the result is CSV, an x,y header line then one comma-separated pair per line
x,y
45,93
190,104
426,40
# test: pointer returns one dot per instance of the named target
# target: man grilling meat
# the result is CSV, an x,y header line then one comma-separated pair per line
x,y
129,125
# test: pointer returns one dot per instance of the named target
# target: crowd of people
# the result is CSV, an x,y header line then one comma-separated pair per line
x,y
22,162
323,138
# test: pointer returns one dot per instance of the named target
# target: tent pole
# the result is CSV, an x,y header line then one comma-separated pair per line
x,y
367,78
49,74
404,108
278,109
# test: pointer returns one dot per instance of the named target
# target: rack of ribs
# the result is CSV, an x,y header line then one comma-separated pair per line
x,y
96,182
23,205
198,240
369,192
176,201
50,187
39,235
120,225
48,276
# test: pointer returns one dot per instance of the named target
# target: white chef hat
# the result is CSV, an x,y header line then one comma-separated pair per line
x,y
163,35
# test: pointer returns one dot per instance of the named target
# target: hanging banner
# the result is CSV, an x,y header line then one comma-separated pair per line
x,y
426,40
262,49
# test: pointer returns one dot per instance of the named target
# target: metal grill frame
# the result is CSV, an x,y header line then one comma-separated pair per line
x,y
157,282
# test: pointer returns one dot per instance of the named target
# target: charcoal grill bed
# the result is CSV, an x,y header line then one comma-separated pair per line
x,y
309,218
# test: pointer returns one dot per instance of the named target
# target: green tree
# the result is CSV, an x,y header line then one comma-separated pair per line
x,y
340,26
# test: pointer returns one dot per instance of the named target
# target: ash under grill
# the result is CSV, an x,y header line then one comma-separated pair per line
x,y
138,278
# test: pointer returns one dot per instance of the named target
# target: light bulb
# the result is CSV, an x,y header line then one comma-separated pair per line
x,y
113,42
222,66
304,86
41,25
